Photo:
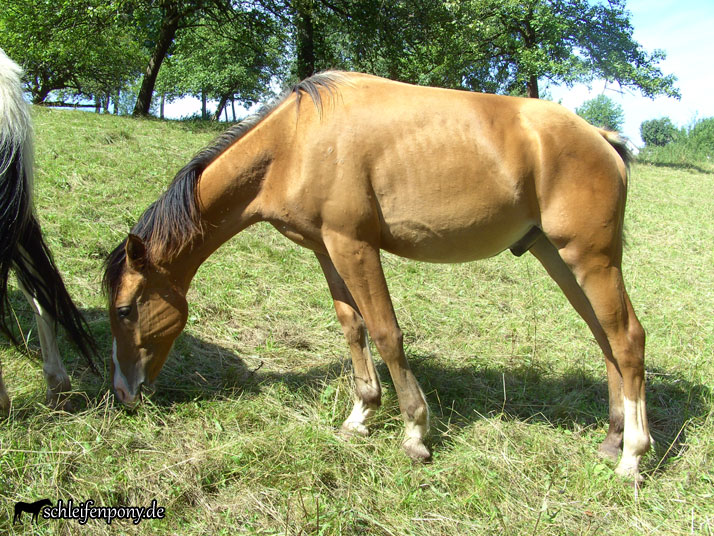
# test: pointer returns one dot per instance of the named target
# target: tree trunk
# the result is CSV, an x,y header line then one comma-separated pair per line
x,y
116,102
532,87
305,38
233,106
204,113
161,108
41,90
167,32
221,106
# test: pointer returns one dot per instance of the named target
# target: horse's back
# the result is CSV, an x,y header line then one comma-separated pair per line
x,y
434,174
453,174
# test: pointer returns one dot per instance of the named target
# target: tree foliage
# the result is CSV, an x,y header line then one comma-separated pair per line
x,y
691,146
77,45
522,42
658,132
602,112
221,59
234,47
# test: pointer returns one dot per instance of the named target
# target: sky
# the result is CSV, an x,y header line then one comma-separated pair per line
x,y
682,28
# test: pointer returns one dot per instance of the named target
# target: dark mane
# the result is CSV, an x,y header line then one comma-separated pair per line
x,y
173,220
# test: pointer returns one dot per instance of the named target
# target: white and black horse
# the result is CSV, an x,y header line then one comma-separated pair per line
x,y
22,248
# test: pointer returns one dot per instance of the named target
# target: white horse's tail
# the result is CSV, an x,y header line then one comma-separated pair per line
x,y
15,142
22,247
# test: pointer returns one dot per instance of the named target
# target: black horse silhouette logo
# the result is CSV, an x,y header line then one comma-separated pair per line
x,y
32,508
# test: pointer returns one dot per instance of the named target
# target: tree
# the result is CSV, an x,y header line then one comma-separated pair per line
x,y
400,40
501,46
658,132
518,43
602,112
74,45
221,59
700,137
164,18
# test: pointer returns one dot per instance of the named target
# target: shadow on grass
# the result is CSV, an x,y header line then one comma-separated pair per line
x,y
688,166
458,396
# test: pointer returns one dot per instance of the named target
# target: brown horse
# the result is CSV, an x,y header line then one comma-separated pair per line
x,y
430,174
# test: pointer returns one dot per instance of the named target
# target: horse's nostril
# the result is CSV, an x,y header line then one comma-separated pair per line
x,y
121,393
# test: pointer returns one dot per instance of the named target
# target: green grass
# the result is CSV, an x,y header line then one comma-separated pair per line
x,y
239,435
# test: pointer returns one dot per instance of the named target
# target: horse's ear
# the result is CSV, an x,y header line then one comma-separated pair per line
x,y
135,253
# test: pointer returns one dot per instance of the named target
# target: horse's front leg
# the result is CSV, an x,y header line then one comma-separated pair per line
x,y
358,264
368,391
4,398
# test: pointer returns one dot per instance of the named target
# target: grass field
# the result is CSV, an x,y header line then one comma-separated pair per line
x,y
239,436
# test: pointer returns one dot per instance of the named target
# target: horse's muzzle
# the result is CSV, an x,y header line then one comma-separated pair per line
x,y
130,400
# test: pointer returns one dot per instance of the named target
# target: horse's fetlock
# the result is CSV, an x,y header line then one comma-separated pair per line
x,y
370,395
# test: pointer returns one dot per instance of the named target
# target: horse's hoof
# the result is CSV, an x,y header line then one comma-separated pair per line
x,y
60,402
416,450
354,429
609,451
629,472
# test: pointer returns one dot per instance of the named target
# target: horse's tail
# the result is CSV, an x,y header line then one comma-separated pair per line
x,y
22,247
15,174
620,144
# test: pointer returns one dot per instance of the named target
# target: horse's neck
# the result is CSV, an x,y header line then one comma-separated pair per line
x,y
229,197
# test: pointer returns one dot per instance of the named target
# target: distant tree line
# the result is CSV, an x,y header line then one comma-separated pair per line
x,y
691,146
226,50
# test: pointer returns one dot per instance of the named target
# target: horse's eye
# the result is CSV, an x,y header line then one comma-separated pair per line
x,y
123,312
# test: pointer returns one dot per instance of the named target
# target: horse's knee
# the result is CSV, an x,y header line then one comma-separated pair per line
x,y
636,336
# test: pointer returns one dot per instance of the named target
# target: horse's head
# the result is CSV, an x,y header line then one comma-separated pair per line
x,y
147,312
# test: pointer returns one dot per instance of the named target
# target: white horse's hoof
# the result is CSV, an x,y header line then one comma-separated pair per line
x,y
351,428
416,450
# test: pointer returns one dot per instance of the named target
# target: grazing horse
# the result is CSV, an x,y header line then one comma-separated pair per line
x,y
31,508
23,249
430,174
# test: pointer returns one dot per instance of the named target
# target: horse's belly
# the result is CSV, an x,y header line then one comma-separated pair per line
x,y
453,237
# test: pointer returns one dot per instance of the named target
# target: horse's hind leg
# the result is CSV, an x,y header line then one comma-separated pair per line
x,y
359,265
368,391
58,383
596,268
548,256
605,289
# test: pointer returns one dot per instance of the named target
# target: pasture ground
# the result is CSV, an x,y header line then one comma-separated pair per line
x,y
239,435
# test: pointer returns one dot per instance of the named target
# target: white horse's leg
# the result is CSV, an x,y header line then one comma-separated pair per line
x,y
58,383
